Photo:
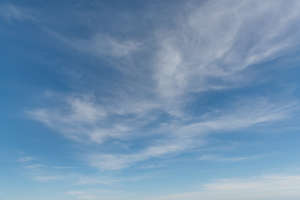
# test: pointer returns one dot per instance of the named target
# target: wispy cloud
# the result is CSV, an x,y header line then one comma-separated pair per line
x,y
84,120
34,166
47,178
201,56
106,180
81,195
91,194
101,45
218,158
190,58
170,94
273,187
268,187
94,194
185,137
120,161
84,180
11,12
26,159
79,120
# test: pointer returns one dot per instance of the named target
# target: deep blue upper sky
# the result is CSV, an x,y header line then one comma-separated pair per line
x,y
164,100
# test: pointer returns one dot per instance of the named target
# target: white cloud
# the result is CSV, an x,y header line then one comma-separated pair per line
x,y
83,123
246,114
106,180
26,159
212,157
85,180
104,45
185,137
95,194
34,166
83,119
47,178
78,119
101,45
82,195
11,12
273,187
117,162
212,46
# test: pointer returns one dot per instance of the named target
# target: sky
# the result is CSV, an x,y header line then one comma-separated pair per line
x,y
149,100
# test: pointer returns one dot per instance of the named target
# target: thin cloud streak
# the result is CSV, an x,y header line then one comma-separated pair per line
x,y
26,159
191,58
182,138
100,45
200,56
11,12
217,158
167,98
273,187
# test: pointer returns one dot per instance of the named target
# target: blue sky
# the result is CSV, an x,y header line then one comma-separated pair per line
x,y
151,100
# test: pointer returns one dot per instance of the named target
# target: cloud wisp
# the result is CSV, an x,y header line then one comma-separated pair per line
x,y
25,159
191,58
83,120
150,98
11,12
201,56
267,187
273,187
181,138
